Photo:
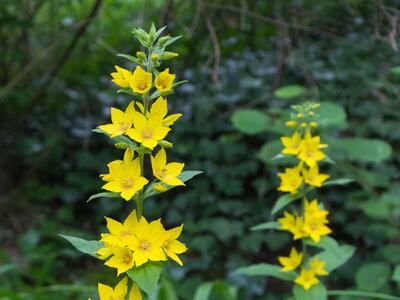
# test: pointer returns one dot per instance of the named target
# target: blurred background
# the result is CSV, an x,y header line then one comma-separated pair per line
x,y
245,59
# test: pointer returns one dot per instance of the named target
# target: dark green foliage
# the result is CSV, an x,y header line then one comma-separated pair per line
x,y
50,159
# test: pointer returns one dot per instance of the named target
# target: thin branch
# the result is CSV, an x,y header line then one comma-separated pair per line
x,y
68,50
217,49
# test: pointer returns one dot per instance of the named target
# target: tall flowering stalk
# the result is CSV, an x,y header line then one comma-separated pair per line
x,y
135,246
311,221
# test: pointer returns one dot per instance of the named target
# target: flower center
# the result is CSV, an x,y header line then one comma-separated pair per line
x,y
124,126
147,133
144,245
127,183
142,85
126,259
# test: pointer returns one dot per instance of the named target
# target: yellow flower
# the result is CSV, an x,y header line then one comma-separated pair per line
x,y
135,293
125,178
164,80
147,241
105,252
313,177
312,208
120,233
298,229
315,227
291,262
172,246
291,144
140,81
318,267
290,180
118,293
309,149
122,260
148,131
121,121
306,279
167,173
121,77
160,107
288,222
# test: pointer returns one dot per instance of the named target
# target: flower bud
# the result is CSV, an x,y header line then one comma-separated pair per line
x,y
140,55
121,145
159,188
304,124
155,57
165,144
291,123
169,55
313,124
299,115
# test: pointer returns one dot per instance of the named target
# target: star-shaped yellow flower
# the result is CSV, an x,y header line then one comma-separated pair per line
x,y
172,246
147,242
164,81
313,177
291,262
118,293
310,151
121,77
315,227
290,180
148,131
140,81
125,178
121,121
318,266
306,279
122,260
160,107
167,173
291,144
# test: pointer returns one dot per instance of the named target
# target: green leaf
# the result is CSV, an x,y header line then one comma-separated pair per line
x,y
184,176
283,201
203,292
129,57
84,246
361,150
335,259
317,292
373,277
290,91
267,225
269,151
267,270
395,70
250,121
103,195
340,181
396,274
330,114
362,294
326,243
147,277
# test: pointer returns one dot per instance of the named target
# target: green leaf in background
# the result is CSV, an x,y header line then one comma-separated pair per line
x,y
267,270
396,274
147,277
317,292
340,181
373,277
336,258
266,225
283,201
290,91
103,195
167,291
203,292
361,149
362,294
327,243
250,121
330,114
269,150
395,70
84,246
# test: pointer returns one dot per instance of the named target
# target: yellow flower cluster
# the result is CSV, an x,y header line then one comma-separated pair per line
x,y
312,222
133,243
139,129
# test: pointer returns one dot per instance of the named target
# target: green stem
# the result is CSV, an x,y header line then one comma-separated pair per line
x,y
363,294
